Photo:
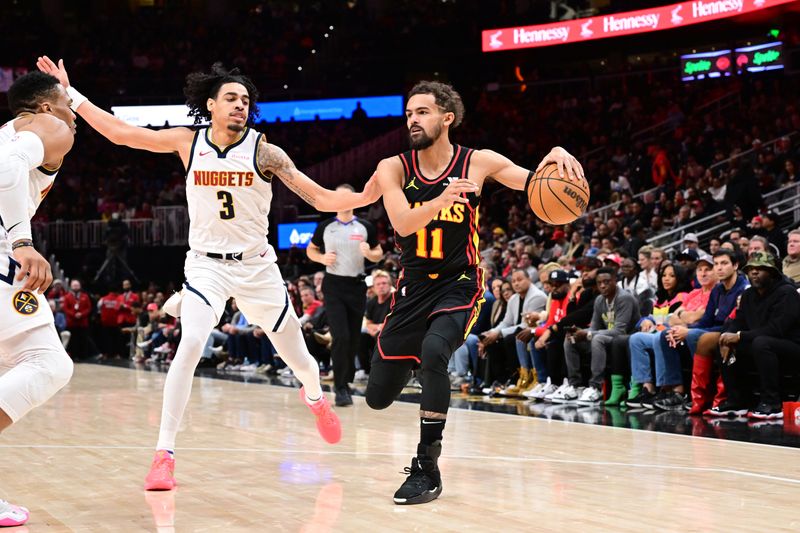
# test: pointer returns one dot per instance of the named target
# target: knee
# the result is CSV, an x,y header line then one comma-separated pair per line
x,y
376,400
762,345
435,351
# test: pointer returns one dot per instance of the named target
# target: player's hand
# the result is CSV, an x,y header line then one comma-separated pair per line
x,y
453,193
329,258
565,161
36,267
46,65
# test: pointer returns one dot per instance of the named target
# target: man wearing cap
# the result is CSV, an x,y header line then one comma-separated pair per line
x,y
688,258
691,242
791,263
530,349
766,330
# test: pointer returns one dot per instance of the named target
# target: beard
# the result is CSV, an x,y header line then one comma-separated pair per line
x,y
424,140
236,127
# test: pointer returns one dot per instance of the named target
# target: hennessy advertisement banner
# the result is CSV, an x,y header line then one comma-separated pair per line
x,y
616,24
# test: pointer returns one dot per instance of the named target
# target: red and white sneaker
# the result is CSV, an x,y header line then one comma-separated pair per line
x,y
12,515
162,472
327,421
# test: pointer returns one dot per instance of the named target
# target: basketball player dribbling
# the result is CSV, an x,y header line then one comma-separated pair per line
x,y
431,194
229,167
33,362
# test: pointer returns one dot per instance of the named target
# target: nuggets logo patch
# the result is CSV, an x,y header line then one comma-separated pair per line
x,y
25,303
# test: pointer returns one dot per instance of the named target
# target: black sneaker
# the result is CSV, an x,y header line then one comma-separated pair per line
x,y
343,398
424,482
643,399
764,411
726,408
672,401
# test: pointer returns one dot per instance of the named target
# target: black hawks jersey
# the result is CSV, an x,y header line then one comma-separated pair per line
x,y
448,245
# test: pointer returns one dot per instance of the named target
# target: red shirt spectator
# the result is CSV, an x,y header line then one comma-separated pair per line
x,y
109,307
77,307
126,301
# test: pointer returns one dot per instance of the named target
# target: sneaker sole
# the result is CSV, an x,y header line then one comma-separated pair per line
x,y
160,486
425,497
771,416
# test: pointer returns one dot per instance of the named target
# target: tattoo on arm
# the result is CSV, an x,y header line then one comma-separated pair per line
x,y
273,160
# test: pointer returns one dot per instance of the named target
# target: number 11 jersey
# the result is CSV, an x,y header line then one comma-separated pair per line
x,y
228,196
448,245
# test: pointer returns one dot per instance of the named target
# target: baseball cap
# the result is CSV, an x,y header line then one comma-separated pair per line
x,y
755,219
614,258
559,276
772,215
705,258
152,306
690,254
558,234
690,237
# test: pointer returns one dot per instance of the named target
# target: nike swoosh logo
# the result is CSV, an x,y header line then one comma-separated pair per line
x,y
14,226
434,422
201,154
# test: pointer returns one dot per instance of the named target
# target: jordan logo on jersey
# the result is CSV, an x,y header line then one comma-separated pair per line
x,y
412,184
25,303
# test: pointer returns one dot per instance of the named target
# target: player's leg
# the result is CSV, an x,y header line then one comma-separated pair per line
x,y
197,320
445,334
387,378
262,297
37,367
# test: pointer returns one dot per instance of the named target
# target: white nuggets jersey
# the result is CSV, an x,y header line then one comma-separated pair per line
x,y
40,182
228,196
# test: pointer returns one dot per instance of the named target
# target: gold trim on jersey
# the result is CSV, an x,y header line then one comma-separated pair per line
x,y
261,175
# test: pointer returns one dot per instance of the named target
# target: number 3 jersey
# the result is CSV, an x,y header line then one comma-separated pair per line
x,y
228,196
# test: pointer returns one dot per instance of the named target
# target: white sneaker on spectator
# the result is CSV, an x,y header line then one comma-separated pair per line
x,y
217,349
564,394
361,376
249,368
590,396
164,348
144,344
173,304
534,392
564,385
286,372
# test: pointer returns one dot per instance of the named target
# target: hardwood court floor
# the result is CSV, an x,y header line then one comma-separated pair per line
x,y
249,459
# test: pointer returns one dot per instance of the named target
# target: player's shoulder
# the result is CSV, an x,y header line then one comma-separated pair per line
x,y
42,123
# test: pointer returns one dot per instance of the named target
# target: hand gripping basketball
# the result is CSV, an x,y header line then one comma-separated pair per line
x,y
556,199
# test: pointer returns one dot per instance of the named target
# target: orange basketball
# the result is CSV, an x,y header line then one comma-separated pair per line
x,y
557,200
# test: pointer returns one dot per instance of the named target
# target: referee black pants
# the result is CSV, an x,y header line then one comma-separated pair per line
x,y
345,300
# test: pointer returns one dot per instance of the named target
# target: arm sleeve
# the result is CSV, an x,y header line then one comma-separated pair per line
x,y
783,317
372,233
318,239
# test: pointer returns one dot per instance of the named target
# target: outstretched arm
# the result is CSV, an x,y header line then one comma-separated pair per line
x,y
405,220
513,176
168,140
273,160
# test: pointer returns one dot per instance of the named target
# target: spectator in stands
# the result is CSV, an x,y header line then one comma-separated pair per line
x,y
691,242
791,263
109,332
466,355
646,266
656,258
375,313
239,331
526,299
713,245
765,330
673,288
128,297
636,283
772,232
615,313
576,246
56,291
310,303
757,244
60,320
702,336
77,306
526,264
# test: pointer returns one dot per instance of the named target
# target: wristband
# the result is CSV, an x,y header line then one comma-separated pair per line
x,y
77,98
21,244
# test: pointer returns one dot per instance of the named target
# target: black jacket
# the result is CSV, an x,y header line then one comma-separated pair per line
x,y
775,314
579,313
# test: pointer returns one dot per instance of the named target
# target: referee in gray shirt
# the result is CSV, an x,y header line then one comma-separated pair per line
x,y
341,244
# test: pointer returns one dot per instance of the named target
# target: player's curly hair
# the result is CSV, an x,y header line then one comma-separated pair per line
x,y
29,90
446,98
200,86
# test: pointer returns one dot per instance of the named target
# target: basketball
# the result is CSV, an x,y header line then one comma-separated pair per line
x,y
557,200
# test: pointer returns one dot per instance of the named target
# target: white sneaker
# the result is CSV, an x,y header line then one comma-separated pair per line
x,y
534,392
590,396
549,397
248,368
173,304
164,348
564,394
361,376
286,372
